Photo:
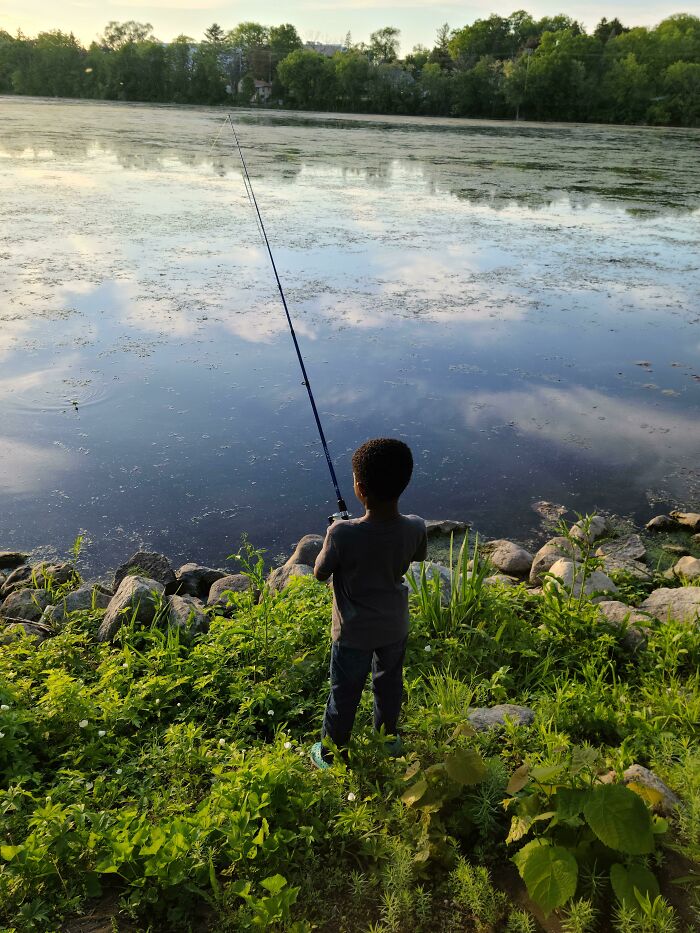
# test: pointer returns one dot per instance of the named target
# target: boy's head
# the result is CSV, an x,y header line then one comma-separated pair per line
x,y
382,468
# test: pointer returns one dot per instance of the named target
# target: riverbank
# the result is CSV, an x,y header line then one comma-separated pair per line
x,y
154,735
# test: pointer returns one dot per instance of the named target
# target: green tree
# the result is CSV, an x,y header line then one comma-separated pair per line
x,y
682,87
435,86
118,34
283,40
352,79
308,78
214,35
384,45
608,30
248,35
440,54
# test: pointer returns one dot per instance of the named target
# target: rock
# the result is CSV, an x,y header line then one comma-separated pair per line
x,y
570,574
682,603
634,623
688,568
549,554
696,539
280,577
39,576
306,551
636,774
25,605
136,597
432,570
186,613
633,568
25,629
661,523
236,582
550,511
147,564
508,558
675,548
485,718
629,548
195,580
12,559
22,576
85,598
445,526
500,579
598,527
687,519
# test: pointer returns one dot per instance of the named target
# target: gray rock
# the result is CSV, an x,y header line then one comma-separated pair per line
x,y
306,551
569,574
682,603
674,548
280,577
195,580
634,623
633,568
549,554
661,523
432,570
39,576
22,576
147,564
629,548
12,559
508,557
186,613
445,526
485,718
25,605
688,568
236,582
696,539
136,597
687,519
598,528
25,630
500,579
85,598
637,774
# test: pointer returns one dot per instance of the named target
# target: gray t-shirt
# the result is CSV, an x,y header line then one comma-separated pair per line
x,y
368,560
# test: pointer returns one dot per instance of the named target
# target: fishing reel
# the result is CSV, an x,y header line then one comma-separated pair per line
x,y
341,515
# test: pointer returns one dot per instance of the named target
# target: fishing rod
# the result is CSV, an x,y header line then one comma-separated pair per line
x,y
342,508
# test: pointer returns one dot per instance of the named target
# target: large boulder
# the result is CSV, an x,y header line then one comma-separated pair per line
x,y
549,554
647,780
39,576
432,570
306,551
445,526
688,568
486,718
147,564
84,598
18,630
682,603
10,559
187,614
281,576
589,531
661,523
136,597
690,520
195,580
569,574
507,557
500,579
25,605
625,555
234,582
634,623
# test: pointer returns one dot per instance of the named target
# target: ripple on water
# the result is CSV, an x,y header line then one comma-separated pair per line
x,y
60,395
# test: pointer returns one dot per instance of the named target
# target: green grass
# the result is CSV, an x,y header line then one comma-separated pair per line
x,y
170,779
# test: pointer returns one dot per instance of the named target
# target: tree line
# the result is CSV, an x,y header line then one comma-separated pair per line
x,y
497,67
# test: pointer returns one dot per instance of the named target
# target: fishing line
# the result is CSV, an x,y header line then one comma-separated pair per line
x,y
342,508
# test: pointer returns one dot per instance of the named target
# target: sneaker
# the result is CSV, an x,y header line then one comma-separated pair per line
x,y
317,759
394,748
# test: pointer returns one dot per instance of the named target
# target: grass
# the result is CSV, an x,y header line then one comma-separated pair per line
x,y
169,778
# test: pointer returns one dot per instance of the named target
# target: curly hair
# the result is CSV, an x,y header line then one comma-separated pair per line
x,y
383,466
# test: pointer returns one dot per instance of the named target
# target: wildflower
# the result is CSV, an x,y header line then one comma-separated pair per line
x,y
287,745
101,733
157,702
118,771
270,712
2,735
427,648
125,664
222,741
83,723
4,707
351,797
179,704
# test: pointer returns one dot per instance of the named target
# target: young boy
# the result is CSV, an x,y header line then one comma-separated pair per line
x,y
368,558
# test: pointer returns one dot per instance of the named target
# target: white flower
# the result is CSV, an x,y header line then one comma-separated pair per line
x,y
4,707
222,741
89,785
270,712
179,704
101,733
157,702
351,797
287,745
2,735
118,771
83,723
427,648
125,664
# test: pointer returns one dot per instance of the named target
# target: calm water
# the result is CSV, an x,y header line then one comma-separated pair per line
x,y
518,301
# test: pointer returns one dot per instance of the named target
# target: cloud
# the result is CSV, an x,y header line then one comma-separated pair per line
x,y
26,468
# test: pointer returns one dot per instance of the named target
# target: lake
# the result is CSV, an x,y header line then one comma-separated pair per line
x,y
519,302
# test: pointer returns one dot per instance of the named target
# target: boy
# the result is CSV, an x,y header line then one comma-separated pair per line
x,y
368,558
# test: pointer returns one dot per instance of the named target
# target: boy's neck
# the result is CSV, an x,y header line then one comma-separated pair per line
x,y
382,511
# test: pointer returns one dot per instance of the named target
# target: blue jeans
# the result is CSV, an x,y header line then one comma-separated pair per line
x,y
349,670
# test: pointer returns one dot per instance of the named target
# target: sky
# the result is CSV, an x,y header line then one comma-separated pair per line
x,y
317,20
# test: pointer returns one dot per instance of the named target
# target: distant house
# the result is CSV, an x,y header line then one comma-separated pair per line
x,y
323,48
261,93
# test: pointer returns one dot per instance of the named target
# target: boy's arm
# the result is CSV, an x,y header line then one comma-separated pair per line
x,y
327,561
422,550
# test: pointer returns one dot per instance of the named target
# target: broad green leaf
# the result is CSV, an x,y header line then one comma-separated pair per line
x,y
92,884
569,802
625,880
659,825
583,758
545,773
9,852
274,884
413,794
550,873
464,728
518,779
465,766
619,818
